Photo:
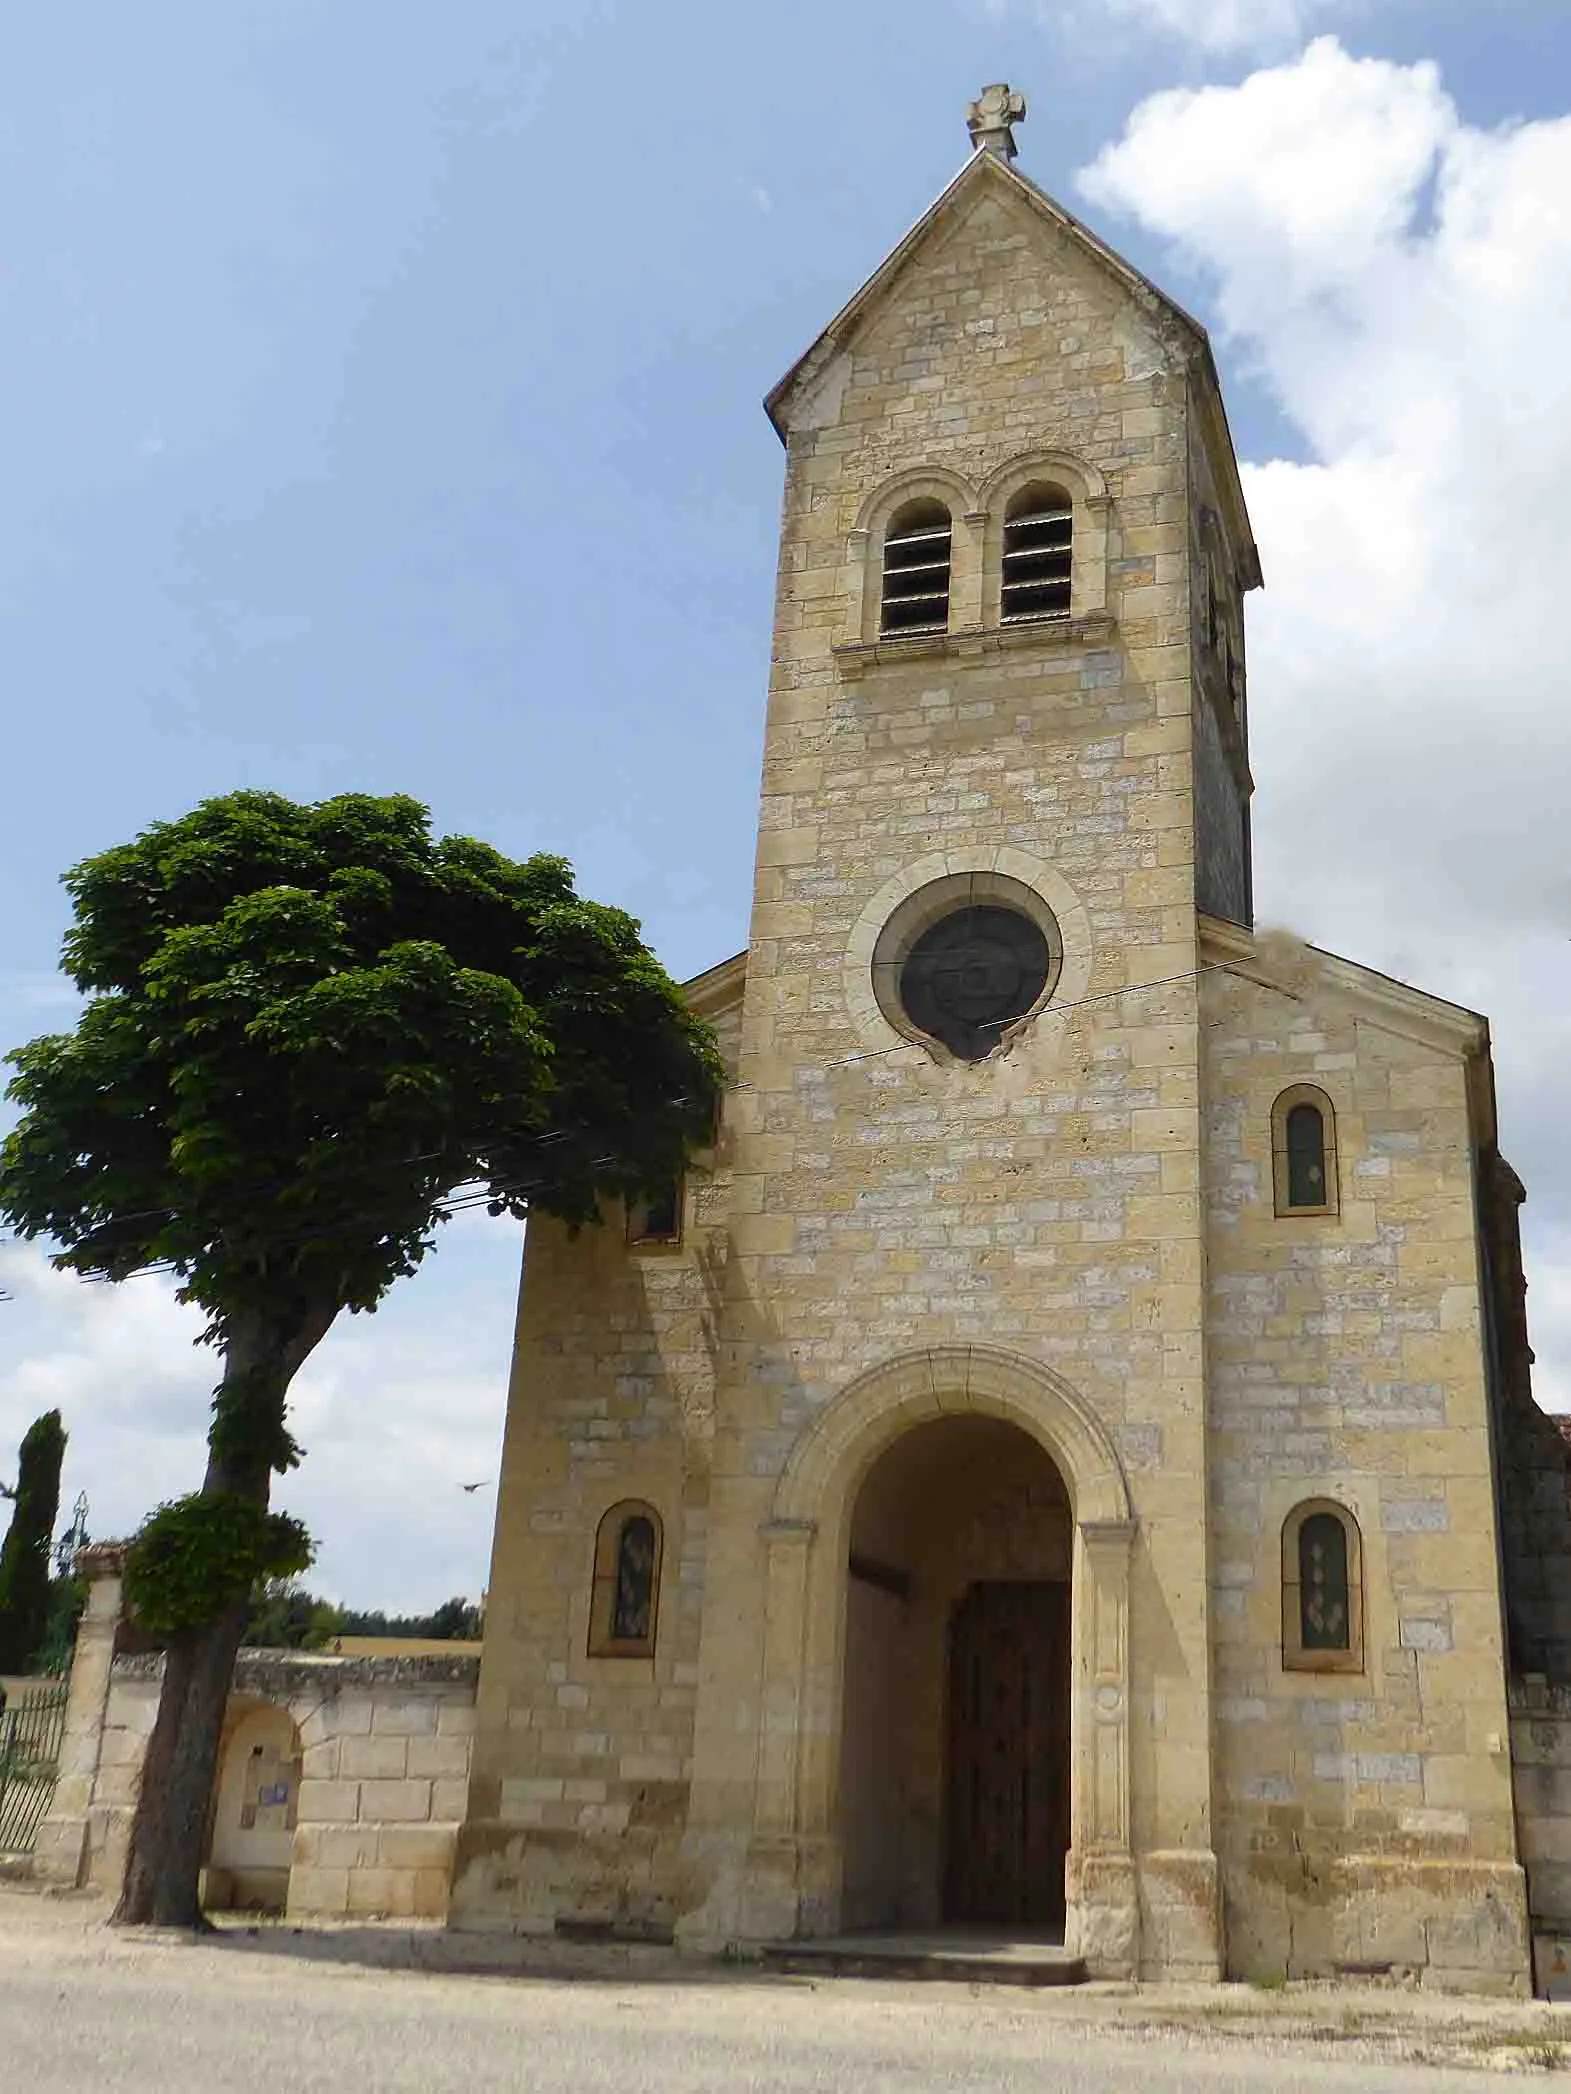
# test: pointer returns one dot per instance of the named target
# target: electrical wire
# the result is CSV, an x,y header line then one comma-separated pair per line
x,y
478,1192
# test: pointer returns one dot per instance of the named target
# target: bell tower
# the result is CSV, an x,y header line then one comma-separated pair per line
x,y
1004,774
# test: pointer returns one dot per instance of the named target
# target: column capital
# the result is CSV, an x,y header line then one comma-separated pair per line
x,y
778,1532
1109,1537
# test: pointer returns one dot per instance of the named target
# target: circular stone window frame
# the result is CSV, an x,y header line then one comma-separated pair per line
x,y
931,888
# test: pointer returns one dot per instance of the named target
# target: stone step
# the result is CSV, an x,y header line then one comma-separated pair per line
x,y
959,1956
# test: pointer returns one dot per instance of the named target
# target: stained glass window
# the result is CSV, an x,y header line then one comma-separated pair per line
x,y
971,974
624,1606
633,1603
1324,1587
1306,1157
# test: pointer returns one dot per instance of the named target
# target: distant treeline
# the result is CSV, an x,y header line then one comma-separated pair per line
x,y
287,1617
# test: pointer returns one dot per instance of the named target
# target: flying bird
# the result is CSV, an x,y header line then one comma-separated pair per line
x,y
472,1487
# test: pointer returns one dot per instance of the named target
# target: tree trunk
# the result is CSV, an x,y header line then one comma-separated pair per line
x,y
169,1833
169,1836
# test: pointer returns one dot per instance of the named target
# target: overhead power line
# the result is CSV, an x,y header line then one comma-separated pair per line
x,y
479,1192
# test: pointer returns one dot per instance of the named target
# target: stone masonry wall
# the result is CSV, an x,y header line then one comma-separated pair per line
x,y
582,1764
385,1747
1363,1818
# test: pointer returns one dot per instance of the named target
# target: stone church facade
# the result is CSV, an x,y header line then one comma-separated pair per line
x,y
1040,1468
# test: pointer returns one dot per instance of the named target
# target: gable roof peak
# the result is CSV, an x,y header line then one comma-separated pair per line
x,y
991,163
986,164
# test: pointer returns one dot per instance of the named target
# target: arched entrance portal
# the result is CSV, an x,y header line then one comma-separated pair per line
x,y
954,1792
796,1878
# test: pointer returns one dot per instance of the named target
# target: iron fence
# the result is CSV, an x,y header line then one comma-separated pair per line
x,y
30,1732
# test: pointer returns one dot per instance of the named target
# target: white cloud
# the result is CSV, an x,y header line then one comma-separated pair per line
x,y
1400,281
395,1411
30,995
1221,26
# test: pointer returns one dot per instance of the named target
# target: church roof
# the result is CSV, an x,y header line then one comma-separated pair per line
x,y
1169,317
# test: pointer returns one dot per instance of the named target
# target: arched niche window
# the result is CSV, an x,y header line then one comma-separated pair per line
x,y
1322,1589
917,554
1303,1151
625,1603
1038,554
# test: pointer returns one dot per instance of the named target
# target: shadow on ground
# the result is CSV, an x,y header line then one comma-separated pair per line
x,y
391,1946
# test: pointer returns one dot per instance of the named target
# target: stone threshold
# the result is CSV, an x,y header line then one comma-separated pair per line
x,y
965,1955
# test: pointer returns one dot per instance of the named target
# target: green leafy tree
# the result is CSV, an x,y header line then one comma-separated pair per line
x,y
25,1552
284,1616
454,1621
306,1027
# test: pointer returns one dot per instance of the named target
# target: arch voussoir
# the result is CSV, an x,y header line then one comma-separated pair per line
x,y
883,1403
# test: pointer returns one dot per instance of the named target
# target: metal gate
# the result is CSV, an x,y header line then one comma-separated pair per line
x,y
30,1733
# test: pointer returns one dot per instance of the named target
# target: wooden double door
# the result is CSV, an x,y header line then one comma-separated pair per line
x,y
1008,1774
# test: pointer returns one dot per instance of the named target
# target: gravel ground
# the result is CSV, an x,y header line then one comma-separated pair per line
x,y
372,2009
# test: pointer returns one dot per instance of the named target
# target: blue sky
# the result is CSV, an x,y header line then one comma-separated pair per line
x,y
381,411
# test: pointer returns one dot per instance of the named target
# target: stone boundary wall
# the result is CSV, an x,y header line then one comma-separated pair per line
x,y
384,1768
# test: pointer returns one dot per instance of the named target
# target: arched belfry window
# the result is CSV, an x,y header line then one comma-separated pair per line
x,y
625,1602
1038,554
1303,1152
1322,1589
917,557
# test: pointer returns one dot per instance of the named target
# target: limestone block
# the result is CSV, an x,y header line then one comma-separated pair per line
x,y
326,1846
430,1890
449,1800
636,1766
531,1788
330,1802
319,1762
387,1892
414,1847
405,1719
392,1801
439,1756
348,1715
318,1892
602,1817
375,1757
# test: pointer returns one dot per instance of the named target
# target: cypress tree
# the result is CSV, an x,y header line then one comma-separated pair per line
x,y
24,1555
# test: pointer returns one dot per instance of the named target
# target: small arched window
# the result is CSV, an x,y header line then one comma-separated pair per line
x,y
1303,1152
1038,554
1322,1589
917,548
625,1602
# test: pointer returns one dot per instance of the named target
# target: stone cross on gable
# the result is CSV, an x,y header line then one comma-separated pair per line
x,y
989,117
